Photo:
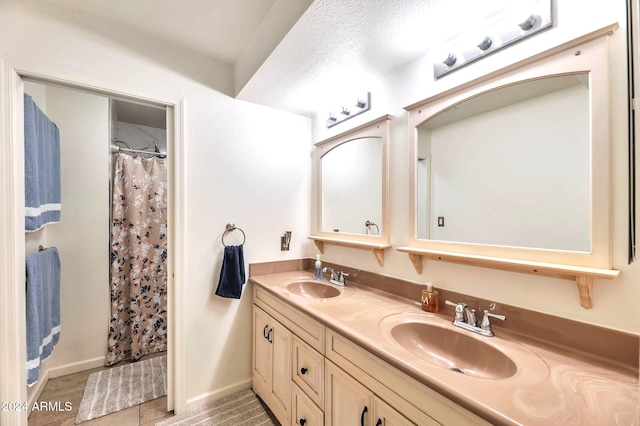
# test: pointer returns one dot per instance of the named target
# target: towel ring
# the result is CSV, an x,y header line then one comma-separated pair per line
x,y
230,228
369,224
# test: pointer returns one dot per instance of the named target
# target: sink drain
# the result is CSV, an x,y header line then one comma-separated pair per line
x,y
457,370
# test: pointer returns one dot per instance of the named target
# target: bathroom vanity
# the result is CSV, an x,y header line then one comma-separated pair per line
x,y
363,356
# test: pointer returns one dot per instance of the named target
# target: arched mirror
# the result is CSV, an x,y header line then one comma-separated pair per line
x,y
509,167
350,192
512,171
351,186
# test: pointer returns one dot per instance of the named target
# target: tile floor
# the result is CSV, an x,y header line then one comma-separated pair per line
x,y
70,389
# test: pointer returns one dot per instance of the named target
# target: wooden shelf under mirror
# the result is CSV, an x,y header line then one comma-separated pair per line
x,y
376,248
581,275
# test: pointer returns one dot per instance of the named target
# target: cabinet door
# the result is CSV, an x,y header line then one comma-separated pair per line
x,y
385,415
347,402
280,339
262,353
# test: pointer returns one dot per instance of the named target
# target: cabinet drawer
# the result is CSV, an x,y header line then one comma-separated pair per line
x,y
308,370
303,411
302,325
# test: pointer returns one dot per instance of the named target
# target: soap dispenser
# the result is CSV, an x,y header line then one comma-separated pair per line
x,y
318,271
430,299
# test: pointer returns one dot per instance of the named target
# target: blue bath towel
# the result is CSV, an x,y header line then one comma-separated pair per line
x,y
43,308
41,167
232,273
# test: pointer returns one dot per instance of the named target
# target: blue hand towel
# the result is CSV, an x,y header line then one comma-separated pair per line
x,y
232,273
43,308
41,167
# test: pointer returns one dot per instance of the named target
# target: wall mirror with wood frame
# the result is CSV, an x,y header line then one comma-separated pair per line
x,y
512,170
351,188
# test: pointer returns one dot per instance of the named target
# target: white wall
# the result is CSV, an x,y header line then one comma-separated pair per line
x,y
138,136
245,164
82,236
615,302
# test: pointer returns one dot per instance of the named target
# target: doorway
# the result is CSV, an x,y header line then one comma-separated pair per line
x,y
12,242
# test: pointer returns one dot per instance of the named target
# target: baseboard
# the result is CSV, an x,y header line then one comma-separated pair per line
x,y
209,397
75,367
34,392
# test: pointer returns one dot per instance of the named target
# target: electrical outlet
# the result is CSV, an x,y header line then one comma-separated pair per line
x,y
440,220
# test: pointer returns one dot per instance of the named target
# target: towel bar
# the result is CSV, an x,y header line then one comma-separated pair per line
x,y
230,228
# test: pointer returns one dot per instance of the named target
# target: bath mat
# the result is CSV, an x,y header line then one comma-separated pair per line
x,y
240,409
118,388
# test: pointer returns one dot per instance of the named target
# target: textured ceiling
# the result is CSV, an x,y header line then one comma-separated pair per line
x,y
339,46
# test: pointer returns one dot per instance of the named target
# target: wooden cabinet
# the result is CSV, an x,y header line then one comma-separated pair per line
x,y
385,415
288,361
310,376
348,401
272,363
412,401
351,403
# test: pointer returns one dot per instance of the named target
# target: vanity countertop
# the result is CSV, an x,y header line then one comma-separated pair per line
x,y
568,388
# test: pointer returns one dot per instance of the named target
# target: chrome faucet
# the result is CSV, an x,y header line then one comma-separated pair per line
x,y
466,319
470,316
337,278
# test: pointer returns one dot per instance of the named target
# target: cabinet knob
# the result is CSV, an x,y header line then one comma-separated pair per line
x,y
302,422
303,370
379,422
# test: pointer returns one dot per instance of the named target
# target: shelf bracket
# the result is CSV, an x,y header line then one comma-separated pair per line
x,y
416,260
379,254
320,246
585,289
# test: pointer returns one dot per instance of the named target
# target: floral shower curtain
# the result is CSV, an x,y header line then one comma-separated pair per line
x,y
138,258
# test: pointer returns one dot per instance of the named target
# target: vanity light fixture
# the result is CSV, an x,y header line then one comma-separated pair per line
x,y
451,60
497,35
362,103
485,44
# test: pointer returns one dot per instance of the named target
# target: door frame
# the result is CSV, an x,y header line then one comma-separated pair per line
x,y
12,243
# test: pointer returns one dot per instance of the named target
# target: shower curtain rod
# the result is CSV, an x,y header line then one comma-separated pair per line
x,y
115,149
